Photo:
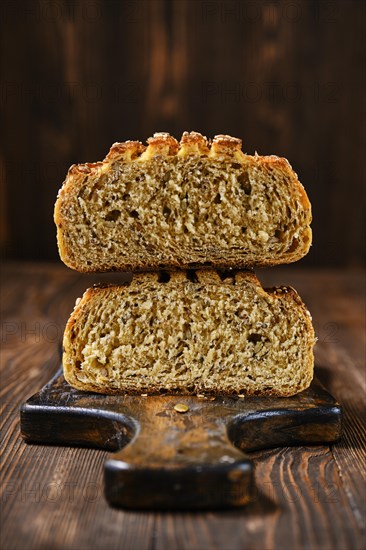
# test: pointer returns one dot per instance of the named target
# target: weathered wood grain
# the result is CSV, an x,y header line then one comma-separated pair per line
x,y
307,497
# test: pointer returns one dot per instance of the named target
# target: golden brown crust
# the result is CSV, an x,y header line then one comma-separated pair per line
x,y
283,293
128,150
192,143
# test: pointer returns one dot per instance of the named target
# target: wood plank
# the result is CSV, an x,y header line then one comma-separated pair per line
x,y
286,491
337,302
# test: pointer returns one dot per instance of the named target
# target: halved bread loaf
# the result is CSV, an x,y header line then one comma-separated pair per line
x,y
183,205
190,332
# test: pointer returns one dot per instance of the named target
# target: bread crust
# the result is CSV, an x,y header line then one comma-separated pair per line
x,y
212,277
222,147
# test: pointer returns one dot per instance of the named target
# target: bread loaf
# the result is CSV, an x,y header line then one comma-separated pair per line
x,y
181,205
190,332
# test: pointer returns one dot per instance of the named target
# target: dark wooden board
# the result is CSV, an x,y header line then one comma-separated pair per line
x,y
169,460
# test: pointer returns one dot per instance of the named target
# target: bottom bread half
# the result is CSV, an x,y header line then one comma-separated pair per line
x,y
187,333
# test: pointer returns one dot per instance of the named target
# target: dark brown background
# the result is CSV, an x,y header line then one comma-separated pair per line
x,y
287,77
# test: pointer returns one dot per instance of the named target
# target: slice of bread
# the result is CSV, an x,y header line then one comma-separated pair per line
x,y
190,332
171,205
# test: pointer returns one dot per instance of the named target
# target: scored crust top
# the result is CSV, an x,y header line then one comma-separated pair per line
x,y
163,144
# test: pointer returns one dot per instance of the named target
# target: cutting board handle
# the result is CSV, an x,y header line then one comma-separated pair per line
x,y
180,460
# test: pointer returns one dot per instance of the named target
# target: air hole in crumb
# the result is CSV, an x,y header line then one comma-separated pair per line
x,y
125,196
294,245
217,199
279,234
235,165
244,182
192,276
288,211
243,230
225,274
254,337
134,214
164,277
113,215
78,365
166,211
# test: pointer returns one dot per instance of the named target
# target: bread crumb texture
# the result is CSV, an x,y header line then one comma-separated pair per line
x,y
190,204
193,332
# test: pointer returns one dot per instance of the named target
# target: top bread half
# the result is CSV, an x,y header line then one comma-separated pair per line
x,y
181,205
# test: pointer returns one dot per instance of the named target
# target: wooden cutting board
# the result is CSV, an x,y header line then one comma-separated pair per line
x,y
166,459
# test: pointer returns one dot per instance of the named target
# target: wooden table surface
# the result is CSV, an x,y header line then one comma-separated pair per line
x,y
308,497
